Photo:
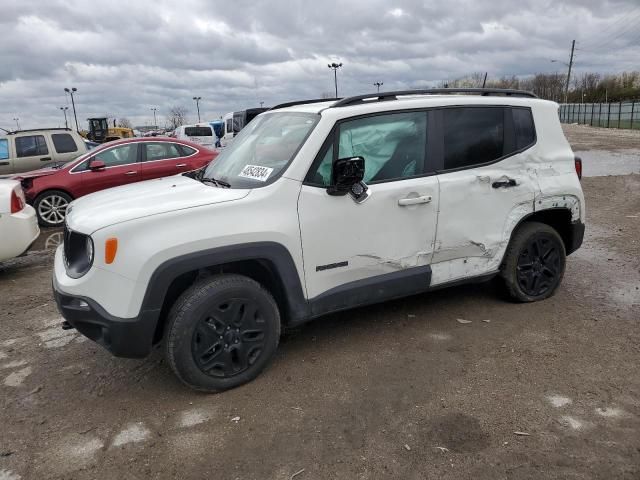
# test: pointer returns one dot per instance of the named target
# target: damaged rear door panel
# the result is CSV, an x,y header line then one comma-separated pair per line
x,y
487,185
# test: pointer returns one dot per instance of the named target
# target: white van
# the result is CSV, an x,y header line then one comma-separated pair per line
x,y
201,133
228,132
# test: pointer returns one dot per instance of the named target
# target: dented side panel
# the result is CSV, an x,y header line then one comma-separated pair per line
x,y
344,241
475,219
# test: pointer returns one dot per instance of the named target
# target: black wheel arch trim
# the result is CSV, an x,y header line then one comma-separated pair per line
x,y
275,254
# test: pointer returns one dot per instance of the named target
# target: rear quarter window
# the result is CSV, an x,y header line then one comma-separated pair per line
x,y
198,132
524,127
64,143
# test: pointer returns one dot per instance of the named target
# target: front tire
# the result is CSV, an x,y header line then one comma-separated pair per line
x,y
222,332
534,263
51,208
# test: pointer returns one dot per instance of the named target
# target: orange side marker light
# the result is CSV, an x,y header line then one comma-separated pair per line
x,y
110,250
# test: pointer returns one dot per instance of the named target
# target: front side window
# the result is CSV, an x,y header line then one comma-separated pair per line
x,y
393,146
262,150
30,146
64,143
121,155
161,151
472,136
4,149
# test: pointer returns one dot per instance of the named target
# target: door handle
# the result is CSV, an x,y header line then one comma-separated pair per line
x,y
504,183
131,173
45,159
403,202
4,163
181,165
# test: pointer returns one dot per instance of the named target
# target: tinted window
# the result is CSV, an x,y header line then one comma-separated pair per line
x,y
229,128
472,136
161,151
31,146
393,146
4,149
186,151
198,131
525,131
119,155
63,142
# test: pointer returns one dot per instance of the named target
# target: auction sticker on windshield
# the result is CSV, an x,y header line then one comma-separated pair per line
x,y
256,172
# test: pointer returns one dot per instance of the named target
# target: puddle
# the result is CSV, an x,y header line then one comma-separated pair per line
x,y
600,163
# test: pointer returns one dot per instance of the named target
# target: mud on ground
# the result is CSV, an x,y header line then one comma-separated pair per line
x,y
399,390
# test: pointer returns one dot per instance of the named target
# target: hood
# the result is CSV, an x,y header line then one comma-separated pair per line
x,y
153,197
41,172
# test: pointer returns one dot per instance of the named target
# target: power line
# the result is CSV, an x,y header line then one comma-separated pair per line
x,y
602,42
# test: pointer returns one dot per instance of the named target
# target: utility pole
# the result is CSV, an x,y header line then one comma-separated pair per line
x,y
197,99
155,122
484,82
71,92
335,66
64,110
378,84
566,90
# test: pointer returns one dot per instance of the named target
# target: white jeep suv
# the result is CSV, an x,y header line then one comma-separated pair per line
x,y
316,207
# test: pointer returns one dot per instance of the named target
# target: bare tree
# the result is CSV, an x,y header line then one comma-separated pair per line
x,y
124,122
177,116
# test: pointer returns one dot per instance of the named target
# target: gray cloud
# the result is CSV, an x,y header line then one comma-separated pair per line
x,y
126,57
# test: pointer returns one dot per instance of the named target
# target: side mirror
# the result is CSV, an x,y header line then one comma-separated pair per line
x,y
96,165
346,173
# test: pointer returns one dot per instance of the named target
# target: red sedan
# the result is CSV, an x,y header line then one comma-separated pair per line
x,y
120,162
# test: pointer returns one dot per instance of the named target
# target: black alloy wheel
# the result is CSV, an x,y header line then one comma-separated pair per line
x,y
222,332
230,339
538,265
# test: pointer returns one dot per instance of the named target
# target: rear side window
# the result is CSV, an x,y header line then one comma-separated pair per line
x,y
198,131
161,151
186,151
472,136
63,142
524,127
4,149
31,145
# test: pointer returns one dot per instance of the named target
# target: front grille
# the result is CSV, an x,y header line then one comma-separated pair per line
x,y
66,245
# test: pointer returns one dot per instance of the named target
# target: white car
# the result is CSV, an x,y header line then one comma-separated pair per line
x,y
18,222
320,206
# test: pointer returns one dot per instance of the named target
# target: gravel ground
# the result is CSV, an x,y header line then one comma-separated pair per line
x,y
400,390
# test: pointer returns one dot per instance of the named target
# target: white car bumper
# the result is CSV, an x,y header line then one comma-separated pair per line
x,y
17,231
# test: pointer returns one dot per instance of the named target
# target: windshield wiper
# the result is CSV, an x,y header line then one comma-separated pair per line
x,y
216,182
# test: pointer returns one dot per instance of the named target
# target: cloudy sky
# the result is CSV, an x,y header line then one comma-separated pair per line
x,y
126,57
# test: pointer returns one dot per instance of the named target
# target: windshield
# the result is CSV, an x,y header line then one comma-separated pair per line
x,y
262,150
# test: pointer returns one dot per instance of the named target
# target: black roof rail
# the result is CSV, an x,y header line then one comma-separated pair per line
x,y
302,102
13,132
385,96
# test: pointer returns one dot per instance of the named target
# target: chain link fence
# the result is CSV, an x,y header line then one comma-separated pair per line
x,y
607,115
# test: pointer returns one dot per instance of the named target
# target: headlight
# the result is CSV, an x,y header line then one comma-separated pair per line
x,y
77,253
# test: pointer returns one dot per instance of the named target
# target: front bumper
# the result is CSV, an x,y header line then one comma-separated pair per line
x,y
123,337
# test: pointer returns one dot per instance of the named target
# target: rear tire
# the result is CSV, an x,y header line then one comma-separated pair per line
x,y
534,263
51,208
222,332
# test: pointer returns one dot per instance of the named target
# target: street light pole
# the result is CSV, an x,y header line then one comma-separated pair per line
x,y
155,122
64,110
335,66
197,99
73,103
17,120
378,84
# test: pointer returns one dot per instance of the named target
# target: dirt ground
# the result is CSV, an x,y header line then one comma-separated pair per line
x,y
400,390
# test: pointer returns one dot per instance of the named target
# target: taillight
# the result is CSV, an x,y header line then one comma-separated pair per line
x,y
17,203
578,162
